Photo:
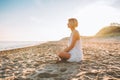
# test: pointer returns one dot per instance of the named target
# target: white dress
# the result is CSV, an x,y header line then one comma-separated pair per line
x,y
76,52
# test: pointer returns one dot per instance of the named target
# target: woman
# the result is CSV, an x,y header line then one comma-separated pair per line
x,y
73,53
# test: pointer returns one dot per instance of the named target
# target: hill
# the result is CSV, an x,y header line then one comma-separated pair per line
x,y
109,31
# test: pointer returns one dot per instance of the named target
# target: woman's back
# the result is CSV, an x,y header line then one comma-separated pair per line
x,y
76,51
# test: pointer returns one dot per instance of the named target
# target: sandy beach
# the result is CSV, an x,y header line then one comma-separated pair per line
x,y
101,61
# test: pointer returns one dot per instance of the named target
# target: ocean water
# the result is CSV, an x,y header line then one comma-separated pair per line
x,y
7,45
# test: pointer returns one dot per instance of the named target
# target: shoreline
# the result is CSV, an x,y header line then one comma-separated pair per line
x,y
19,44
84,39
27,48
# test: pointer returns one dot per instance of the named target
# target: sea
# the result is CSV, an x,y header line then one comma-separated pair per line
x,y
8,45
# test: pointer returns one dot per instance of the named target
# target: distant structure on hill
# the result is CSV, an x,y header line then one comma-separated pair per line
x,y
115,24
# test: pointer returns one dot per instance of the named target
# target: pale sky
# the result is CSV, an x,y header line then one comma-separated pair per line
x,y
45,20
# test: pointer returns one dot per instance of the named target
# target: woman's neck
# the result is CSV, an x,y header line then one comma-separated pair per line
x,y
72,29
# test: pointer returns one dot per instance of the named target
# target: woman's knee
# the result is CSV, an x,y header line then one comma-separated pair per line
x,y
59,54
64,55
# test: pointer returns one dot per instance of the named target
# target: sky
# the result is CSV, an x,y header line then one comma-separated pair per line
x,y
46,20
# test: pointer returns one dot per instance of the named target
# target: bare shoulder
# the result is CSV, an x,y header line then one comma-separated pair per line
x,y
76,33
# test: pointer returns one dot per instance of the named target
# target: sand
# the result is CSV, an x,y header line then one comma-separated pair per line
x,y
101,62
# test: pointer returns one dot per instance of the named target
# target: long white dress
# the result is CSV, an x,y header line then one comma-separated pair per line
x,y
76,52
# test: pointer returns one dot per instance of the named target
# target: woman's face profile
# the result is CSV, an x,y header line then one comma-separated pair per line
x,y
69,25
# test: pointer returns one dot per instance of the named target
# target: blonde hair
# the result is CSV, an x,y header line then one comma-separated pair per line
x,y
73,22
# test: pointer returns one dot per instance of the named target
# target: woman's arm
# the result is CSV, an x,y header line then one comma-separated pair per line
x,y
75,37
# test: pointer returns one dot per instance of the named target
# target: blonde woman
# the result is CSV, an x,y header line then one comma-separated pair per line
x,y
73,53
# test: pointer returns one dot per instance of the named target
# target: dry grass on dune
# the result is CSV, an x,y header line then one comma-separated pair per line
x,y
109,31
